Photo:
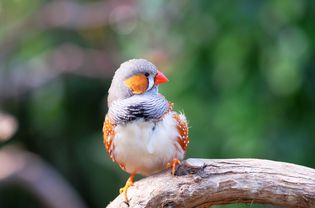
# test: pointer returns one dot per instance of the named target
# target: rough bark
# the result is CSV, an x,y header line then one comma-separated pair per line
x,y
203,182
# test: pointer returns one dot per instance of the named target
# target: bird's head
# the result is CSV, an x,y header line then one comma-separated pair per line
x,y
135,77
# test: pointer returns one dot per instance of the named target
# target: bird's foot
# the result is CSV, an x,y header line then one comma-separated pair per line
x,y
126,187
173,164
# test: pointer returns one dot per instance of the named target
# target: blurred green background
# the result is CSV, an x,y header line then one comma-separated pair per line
x,y
242,71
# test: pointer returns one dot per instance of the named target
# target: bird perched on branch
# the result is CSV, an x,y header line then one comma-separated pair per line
x,y
141,131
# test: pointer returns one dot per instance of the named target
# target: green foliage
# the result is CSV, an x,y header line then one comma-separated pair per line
x,y
242,71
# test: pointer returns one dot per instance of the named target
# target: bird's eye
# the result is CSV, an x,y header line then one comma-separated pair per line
x,y
146,74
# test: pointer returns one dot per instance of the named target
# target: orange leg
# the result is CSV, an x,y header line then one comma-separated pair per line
x,y
127,185
173,164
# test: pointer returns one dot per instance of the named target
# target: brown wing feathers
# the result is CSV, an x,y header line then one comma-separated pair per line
x,y
108,136
182,129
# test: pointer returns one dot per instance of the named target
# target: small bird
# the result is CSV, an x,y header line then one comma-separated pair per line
x,y
141,132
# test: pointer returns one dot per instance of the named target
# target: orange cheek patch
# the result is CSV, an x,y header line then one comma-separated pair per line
x,y
137,84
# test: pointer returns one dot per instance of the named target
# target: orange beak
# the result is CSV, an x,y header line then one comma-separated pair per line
x,y
160,78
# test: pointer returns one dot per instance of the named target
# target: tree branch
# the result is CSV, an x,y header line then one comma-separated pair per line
x,y
204,182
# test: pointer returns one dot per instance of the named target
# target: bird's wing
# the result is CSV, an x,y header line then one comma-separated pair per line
x,y
108,136
182,128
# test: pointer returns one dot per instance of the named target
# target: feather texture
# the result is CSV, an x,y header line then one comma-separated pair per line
x,y
148,107
144,147
141,132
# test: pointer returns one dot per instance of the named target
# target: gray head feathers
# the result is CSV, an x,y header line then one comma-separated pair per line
x,y
125,106
117,89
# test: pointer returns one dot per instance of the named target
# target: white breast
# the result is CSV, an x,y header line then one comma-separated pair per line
x,y
146,147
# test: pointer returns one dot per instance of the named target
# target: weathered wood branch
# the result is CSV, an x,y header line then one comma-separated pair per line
x,y
203,182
